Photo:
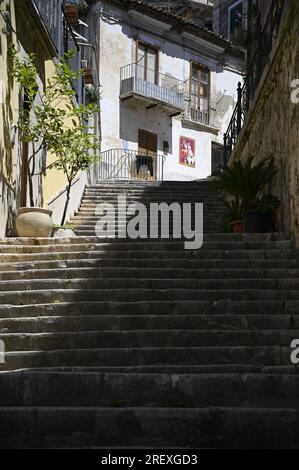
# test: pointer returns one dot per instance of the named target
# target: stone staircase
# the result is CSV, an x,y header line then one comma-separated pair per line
x,y
141,343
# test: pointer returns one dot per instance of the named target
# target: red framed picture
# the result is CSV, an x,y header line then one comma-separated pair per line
x,y
187,152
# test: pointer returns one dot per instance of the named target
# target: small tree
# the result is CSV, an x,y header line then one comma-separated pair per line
x,y
57,123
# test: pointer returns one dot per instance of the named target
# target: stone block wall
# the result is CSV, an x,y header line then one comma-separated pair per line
x,y
272,125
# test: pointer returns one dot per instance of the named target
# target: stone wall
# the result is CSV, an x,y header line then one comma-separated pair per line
x,y
272,126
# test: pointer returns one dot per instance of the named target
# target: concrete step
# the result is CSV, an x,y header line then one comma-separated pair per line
x,y
123,272
139,283
113,251
149,356
104,389
90,340
67,294
77,307
111,322
98,427
256,267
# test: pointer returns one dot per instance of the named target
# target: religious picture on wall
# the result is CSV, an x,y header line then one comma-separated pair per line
x,y
187,152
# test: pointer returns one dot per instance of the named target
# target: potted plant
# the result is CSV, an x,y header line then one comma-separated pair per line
x,y
92,95
246,182
71,12
74,148
261,217
88,76
235,215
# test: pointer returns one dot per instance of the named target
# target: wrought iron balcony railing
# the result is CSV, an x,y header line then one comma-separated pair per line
x,y
54,18
205,115
154,86
246,93
131,164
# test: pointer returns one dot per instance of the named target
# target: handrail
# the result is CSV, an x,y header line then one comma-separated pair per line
x,y
247,92
131,164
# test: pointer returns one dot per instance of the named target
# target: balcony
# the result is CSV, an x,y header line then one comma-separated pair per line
x,y
159,90
203,118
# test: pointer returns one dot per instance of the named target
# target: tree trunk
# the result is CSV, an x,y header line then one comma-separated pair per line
x,y
66,203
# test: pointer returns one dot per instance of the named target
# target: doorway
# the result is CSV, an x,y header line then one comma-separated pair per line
x,y
146,160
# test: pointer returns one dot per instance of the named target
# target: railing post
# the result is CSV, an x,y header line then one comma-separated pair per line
x,y
225,153
239,108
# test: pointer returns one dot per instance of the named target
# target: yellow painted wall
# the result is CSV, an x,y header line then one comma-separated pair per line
x,y
55,180
8,101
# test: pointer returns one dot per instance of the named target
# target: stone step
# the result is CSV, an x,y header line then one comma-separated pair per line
x,y
100,321
162,273
113,250
146,339
150,356
151,307
97,427
284,246
140,283
41,388
222,237
255,267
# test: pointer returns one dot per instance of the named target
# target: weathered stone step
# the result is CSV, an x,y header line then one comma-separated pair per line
x,y
151,272
154,245
261,267
112,322
41,388
112,251
146,339
151,307
154,356
247,237
140,283
149,427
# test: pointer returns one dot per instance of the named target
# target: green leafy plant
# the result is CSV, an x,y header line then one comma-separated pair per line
x,y
47,123
82,6
92,94
246,181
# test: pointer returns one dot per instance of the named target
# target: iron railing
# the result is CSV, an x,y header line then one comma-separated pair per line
x,y
246,94
131,164
53,16
164,88
205,115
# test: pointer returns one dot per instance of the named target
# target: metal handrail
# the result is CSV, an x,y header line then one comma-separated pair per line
x,y
131,164
247,92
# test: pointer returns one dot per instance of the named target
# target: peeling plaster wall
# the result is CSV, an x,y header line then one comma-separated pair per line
x,y
273,127
121,120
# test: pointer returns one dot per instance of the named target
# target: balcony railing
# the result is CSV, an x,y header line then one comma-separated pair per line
x,y
54,18
155,87
205,115
131,164
246,93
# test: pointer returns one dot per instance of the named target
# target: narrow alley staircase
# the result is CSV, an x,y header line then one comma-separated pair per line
x,y
141,343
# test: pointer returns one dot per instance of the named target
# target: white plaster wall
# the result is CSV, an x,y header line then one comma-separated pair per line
x,y
122,119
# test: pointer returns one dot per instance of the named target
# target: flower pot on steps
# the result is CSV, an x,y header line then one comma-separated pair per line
x,y
34,222
237,226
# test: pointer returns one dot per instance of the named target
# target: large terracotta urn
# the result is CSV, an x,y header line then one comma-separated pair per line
x,y
34,222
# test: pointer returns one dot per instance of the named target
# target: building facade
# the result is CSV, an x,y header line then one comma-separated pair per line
x,y
44,29
168,87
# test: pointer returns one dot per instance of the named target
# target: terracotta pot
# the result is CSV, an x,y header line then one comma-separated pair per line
x,y
34,222
88,77
71,12
237,226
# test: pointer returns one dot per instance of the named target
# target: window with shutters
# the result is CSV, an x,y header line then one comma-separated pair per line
x,y
200,93
147,63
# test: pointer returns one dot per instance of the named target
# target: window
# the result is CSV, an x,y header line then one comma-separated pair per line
x,y
235,19
200,93
147,63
